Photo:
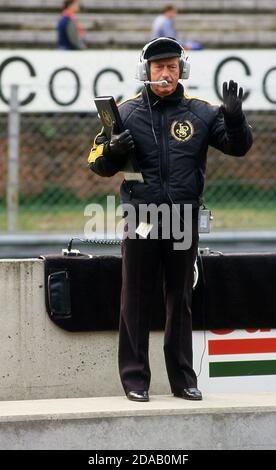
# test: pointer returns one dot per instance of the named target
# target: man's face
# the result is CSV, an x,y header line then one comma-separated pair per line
x,y
75,6
164,69
171,14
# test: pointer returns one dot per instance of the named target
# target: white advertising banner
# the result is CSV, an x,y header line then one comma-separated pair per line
x,y
235,360
66,81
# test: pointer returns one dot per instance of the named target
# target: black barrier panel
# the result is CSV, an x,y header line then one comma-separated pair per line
x,y
234,291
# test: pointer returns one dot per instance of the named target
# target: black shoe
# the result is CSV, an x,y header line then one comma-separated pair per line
x,y
140,395
189,394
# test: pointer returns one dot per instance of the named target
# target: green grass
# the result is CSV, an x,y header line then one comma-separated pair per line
x,y
60,218
235,218
71,218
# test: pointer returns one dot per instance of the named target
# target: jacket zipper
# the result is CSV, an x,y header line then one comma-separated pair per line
x,y
164,154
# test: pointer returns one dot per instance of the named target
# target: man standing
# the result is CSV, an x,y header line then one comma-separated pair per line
x,y
169,134
163,25
70,33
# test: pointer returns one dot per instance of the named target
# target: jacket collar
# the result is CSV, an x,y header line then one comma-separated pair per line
x,y
169,100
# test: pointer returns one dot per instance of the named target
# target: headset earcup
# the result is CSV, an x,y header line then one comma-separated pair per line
x,y
186,70
141,73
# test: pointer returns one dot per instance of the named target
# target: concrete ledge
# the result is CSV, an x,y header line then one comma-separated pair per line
x,y
120,406
224,421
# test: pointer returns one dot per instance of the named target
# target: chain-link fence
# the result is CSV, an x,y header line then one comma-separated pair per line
x,y
55,183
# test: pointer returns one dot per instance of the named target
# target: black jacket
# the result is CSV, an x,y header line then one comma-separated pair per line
x,y
173,166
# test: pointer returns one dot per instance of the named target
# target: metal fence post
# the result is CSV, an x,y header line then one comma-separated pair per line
x,y
13,160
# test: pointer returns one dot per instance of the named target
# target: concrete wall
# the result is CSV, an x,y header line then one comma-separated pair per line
x,y
205,432
40,360
220,421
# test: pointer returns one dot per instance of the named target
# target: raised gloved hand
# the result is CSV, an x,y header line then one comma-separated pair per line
x,y
232,100
121,144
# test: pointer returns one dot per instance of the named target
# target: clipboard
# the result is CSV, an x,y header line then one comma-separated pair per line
x,y
109,115
112,124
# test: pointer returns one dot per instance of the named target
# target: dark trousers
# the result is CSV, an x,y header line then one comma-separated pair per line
x,y
141,259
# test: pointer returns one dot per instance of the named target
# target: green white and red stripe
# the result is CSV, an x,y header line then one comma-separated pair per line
x,y
242,346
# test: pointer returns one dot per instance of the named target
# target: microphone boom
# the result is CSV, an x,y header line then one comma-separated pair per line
x,y
158,82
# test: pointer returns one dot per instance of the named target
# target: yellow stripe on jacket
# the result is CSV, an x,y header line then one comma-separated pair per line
x,y
96,150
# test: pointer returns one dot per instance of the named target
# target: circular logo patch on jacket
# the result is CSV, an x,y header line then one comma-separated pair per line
x,y
182,130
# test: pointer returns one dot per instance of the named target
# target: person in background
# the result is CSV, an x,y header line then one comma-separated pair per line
x,y
70,32
164,26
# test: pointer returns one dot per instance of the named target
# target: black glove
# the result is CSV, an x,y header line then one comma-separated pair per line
x,y
232,101
121,144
